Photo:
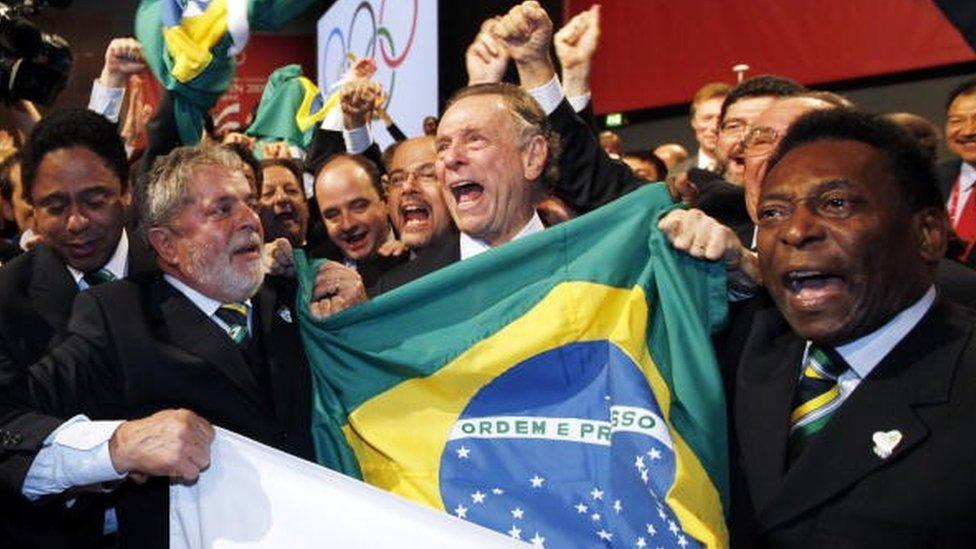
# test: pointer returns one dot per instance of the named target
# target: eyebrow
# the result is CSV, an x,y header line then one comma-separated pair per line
x,y
820,188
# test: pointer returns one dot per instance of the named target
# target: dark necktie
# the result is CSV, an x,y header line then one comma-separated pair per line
x,y
817,397
235,316
101,276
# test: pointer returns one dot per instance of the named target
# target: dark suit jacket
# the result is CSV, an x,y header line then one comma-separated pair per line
x,y
437,255
723,201
948,171
36,293
839,493
139,346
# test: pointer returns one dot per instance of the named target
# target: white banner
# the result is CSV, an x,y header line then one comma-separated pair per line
x,y
255,496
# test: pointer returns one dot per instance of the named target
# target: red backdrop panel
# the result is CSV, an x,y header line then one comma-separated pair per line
x,y
658,52
263,54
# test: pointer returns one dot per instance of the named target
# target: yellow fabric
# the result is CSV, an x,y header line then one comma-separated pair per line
x,y
190,42
399,435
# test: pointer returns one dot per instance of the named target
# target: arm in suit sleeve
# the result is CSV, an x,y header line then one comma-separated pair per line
x,y
78,376
327,143
396,133
588,178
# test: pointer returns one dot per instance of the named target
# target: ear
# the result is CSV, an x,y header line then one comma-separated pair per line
x,y
931,227
163,241
534,157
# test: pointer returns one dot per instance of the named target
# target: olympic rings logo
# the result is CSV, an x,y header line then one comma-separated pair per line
x,y
365,17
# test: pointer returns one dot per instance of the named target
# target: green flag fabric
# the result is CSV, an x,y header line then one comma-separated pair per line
x,y
560,389
289,108
190,47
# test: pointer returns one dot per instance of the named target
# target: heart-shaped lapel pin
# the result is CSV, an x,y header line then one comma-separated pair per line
x,y
285,314
885,442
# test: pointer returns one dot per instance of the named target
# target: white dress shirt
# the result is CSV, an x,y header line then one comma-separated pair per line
x,y
866,352
471,247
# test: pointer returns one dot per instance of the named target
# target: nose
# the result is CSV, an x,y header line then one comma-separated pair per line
x,y
452,156
969,126
248,218
77,220
802,228
347,221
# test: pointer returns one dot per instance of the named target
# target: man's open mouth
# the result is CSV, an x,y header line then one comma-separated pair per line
x,y
466,191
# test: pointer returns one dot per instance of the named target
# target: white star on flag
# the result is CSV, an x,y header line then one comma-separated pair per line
x,y
639,462
641,543
596,493
537,481
497,491
651,530
682,541
478,497
617,506
515,532
463,452
580,508
673,527
654,453
595,516
461,511
517,513
644,475
660,513
537,540
605,535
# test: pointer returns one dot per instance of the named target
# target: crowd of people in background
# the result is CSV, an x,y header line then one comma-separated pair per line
x,y
844,243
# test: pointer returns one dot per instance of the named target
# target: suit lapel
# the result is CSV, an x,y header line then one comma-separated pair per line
x,y
917,371
282,350
52,289
763,401
193,332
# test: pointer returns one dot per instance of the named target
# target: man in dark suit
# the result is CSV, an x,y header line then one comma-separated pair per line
x,y
491,193
854,393
957,177
75,175
207,335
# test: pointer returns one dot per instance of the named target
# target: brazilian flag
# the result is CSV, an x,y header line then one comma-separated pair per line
x,y
190,46
560,389
290,107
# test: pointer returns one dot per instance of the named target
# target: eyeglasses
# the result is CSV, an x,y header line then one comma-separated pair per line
x,y
761,140
426,173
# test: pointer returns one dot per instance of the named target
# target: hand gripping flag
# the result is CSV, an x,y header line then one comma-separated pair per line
x,y
289,108
561,389
190,46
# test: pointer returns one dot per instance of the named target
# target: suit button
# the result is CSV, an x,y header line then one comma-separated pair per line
x,y
284,435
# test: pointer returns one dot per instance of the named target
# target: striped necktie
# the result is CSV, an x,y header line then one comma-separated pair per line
x,y
101,276
235,316
817,397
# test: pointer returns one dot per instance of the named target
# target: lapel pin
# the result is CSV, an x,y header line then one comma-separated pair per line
x,y
885,442
285,314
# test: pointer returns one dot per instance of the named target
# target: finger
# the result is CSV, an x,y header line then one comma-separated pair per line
x,y
717,243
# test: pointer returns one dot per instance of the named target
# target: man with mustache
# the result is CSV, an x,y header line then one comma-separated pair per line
x,y
958,177
149,363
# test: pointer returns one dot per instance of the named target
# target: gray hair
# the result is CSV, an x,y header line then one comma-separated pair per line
x,y
166,190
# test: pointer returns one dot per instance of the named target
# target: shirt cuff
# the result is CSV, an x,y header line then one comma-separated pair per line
x,y
549,95
333,120
357,139
106,101
74,454
579,102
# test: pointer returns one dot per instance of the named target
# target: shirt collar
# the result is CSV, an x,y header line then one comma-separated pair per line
x,y
967,176
206,304
118,264
866,352
705,161
471,247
